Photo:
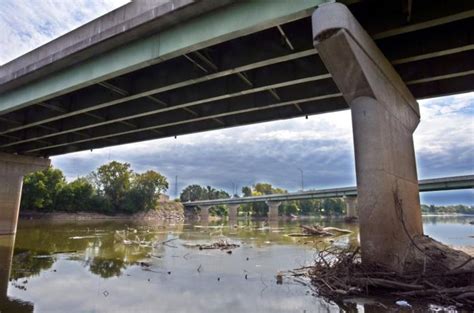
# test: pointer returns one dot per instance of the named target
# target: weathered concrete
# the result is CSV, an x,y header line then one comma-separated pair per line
x,y
222,25
204,213
384,117
12,170
273,209
233,211
351,207
135,19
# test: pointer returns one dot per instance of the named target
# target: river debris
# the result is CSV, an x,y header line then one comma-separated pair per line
x,y
83,237
129,237
165,243
317,230
338,274
221,245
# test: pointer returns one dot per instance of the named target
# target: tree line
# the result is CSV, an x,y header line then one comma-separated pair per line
x,y
449,209
112,188
331,206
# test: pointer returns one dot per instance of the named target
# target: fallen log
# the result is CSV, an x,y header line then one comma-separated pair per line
x,y
315,230
380,282
431,292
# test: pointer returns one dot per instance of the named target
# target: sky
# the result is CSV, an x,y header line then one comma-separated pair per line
x,y
273,152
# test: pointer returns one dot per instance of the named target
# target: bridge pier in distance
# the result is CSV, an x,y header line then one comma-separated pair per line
x,y
273,210
12,170
233,210
204,213
384,116
351,207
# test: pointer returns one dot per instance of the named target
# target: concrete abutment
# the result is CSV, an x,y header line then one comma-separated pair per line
x,y
12,170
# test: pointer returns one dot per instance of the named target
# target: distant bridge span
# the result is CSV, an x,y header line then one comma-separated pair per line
x,y
434,184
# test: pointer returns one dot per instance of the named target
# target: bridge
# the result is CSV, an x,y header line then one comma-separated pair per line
x,y
348,193
155,69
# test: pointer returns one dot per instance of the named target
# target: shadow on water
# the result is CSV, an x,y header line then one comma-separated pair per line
x,y
123,267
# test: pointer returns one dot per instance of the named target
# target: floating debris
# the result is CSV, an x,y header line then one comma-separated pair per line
x,y
82,237
403,304
221,244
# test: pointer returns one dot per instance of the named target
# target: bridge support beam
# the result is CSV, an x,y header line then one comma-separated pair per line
x,y
204,214
233,210
273,210
12,170
384,117
351,207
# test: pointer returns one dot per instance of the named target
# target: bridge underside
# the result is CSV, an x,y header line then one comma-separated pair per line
x,y
269,74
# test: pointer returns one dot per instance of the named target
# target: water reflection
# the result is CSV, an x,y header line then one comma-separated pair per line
x,y
8,304
124,267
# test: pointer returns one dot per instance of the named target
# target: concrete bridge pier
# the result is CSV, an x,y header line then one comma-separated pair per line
x,y
204,214
233,210
273,210
12,170
384,117
351,207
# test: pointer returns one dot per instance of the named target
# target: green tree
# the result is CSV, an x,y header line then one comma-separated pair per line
x,y
192,193
247,191
289,208
144,191
113,181
78,195
41,189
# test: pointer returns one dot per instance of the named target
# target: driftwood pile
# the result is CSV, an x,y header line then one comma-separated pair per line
x,y
339,273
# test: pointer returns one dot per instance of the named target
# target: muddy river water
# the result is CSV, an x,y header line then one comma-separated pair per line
x,y
125,267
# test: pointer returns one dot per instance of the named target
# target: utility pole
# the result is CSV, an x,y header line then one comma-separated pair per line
x,y
176,187
302,178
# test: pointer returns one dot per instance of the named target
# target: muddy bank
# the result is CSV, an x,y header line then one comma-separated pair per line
x,y
164,211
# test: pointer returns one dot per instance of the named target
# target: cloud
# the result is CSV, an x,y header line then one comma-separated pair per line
x,y
42,21
270,152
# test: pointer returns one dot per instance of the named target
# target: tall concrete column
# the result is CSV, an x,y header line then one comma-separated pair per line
x,y
384,117
204,215
273,209
232,212
12,170
351,207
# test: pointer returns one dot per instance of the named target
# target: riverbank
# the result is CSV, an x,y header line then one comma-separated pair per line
x,y
164,211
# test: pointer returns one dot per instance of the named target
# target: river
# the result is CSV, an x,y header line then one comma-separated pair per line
x,y
125,267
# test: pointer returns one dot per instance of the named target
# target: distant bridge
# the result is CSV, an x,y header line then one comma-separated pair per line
x,y
435,184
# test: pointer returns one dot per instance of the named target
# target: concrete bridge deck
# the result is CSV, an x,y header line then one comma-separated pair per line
x,y
434,184
155,69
